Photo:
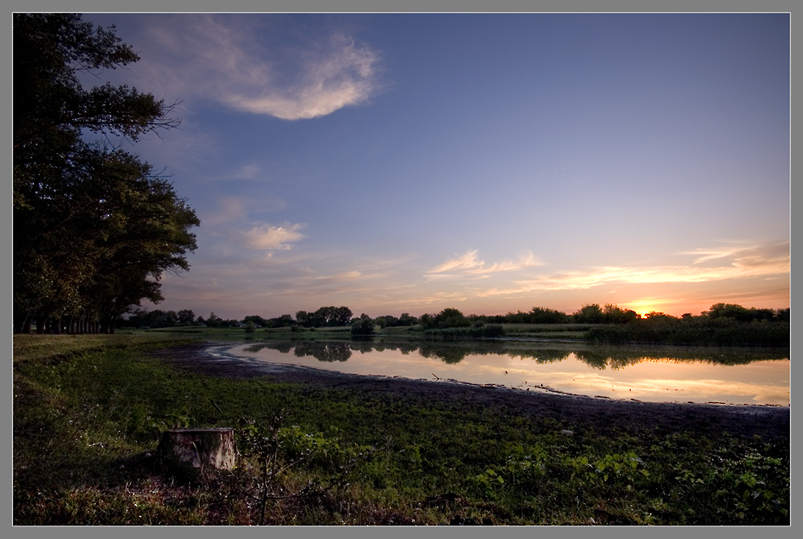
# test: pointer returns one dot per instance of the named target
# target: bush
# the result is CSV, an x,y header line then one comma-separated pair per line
x,y
362,327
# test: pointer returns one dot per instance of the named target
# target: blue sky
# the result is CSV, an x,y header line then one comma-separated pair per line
x,y
492,163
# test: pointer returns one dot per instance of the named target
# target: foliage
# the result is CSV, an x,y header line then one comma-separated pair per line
x,y
94,228
447,318
589,314
362,326
701,331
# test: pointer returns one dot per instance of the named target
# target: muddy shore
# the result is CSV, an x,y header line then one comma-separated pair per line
x,y
601,414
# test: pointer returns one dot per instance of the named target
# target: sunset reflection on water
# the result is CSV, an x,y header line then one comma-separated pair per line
x,y
591,372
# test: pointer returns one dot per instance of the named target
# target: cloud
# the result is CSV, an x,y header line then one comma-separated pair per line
x,y
757,261
248,172
469,265
746,256
344,75
226,59
266,236
232,209
339,277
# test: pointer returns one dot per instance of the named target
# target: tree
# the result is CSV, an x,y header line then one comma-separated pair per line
x,y
186,317
362,326
50,104
616,315
589,314
342,316
94,229
542,315
256,319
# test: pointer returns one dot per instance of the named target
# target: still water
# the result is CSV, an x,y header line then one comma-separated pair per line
x,y
654,374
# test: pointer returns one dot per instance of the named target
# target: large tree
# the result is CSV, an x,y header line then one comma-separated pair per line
x,y
94,228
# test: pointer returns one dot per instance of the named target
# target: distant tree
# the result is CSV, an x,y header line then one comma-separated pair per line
x,y
427,321
729,310
655,317
324,316
186,317
542,315
447,318
342,316
282,321
258,320
616,315
382,321
362,326
303,317
407,320
589,314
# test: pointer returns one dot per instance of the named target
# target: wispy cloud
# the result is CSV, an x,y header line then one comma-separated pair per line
x,y
266,236
745,256
469,265
223,59
236,209
756,261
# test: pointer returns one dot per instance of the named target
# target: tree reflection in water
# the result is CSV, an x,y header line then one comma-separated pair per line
x,y
599,357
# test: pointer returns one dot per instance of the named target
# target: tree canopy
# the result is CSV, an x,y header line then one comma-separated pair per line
x,y
94,228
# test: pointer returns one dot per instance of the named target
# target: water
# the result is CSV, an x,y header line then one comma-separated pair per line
x,y
654,374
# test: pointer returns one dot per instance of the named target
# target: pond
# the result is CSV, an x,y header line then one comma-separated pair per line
x,y
650,374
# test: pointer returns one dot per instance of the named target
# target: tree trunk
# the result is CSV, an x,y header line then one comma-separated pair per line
x,y
189,451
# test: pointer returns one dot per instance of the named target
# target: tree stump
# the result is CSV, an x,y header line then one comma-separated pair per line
x,y
189,451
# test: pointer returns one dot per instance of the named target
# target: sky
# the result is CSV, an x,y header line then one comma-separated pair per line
x,y
491,163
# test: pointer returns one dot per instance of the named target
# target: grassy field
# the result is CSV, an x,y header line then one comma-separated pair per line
x,y
88,411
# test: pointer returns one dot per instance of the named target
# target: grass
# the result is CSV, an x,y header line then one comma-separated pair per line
x,y
88,411
698,333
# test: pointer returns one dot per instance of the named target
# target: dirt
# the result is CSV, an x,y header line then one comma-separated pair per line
x,y
601,414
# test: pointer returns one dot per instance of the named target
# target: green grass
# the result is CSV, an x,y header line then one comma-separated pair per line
x,y
88,412
712,333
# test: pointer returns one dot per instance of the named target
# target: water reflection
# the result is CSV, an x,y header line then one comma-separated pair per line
x,y
737,376
600,357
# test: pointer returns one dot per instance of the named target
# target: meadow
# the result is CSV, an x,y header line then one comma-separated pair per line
x,y
88,411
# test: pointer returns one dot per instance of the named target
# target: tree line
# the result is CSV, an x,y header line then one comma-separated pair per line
x,y
95,227
453,318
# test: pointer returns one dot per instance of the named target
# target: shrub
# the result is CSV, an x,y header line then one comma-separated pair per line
x,y
362,327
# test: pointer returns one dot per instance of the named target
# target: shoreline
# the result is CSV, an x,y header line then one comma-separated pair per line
x,y
597,413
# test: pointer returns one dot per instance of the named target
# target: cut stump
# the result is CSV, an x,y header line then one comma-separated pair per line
x,y
188,451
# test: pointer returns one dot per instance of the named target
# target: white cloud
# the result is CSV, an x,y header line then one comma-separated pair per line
x,y
266,236
469,265
225,59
